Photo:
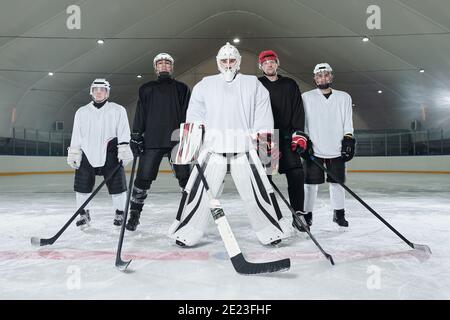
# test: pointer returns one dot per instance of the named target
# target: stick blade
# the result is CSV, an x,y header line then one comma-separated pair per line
x,y
122,265
242,266
38,242
330,258
300,221
421,247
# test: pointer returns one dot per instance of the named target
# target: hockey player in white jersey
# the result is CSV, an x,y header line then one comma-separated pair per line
x,y
100,140
234,110
329,125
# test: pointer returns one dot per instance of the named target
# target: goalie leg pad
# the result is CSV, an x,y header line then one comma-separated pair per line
x,y
196,213
251,187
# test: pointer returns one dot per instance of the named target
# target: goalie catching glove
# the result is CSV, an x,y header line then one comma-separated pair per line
x,y
191,140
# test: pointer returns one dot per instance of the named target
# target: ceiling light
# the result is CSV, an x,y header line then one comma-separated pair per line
x,y
51,74
100,41
139,76
365,39
421,70
380,91
236,40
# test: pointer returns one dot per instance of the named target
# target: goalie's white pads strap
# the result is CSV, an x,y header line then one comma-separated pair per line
x,y
191,140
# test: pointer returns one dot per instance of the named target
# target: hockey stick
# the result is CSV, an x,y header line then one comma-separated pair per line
x,y
241,265
412,245
120,264
300,220
43,242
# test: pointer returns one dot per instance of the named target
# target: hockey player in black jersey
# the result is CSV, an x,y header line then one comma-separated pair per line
x,y
161,109
289,120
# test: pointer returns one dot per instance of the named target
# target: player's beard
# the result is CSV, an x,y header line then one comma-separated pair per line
x,y
271,74
164,75
324,86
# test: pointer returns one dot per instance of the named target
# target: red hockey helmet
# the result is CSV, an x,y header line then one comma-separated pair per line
x,y
268,55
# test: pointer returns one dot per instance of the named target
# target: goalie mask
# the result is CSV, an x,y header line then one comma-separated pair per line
x,y
228,61
100,83
323,70
167,73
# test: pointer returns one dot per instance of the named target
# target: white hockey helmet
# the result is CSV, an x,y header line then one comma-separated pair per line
x,y
162,56
321,67
228,51
100,83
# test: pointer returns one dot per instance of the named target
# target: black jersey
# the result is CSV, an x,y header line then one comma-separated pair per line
x,y
160,110
287,106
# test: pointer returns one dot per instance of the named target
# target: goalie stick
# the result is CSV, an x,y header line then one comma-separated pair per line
x,y
240,264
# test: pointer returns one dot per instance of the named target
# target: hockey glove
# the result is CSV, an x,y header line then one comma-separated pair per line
x,y
124,154
74,157
299,142
348,147
137,144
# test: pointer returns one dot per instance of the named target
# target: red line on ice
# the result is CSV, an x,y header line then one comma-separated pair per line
x,y
96,255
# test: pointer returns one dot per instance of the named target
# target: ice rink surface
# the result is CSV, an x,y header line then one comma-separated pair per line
x,y
371,261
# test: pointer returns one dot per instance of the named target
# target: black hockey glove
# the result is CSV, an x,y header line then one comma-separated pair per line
x,y
304,149
348,148
137,144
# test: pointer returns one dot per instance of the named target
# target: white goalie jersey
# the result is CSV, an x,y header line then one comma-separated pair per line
x,y
230,111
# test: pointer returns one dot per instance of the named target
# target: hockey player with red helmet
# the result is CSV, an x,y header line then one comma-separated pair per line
x,y
289,120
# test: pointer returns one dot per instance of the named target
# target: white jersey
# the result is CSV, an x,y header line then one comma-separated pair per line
x,y
230,111
93,128
327,121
